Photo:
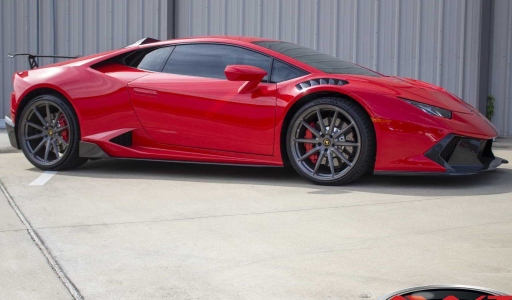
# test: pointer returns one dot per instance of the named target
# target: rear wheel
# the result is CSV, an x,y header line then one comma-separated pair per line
x,y
49,134
331,141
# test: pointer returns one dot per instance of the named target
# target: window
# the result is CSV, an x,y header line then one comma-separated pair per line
x,y
149,59
318,60
210,60
282,72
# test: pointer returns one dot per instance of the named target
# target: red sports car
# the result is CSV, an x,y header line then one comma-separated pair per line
x,y
244,101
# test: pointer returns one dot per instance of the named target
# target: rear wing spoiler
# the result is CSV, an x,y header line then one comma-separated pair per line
x,y
32,62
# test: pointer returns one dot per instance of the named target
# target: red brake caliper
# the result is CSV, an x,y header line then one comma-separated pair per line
x,y
64,133
309,135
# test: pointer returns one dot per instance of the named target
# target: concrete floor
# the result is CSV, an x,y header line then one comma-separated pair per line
x,y
140,230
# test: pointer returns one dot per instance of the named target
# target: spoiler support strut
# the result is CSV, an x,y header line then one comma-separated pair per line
x,y
32,62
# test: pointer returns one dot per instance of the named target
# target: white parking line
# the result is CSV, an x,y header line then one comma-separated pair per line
x,y
41,180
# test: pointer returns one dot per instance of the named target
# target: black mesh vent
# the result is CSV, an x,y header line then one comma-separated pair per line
x,y
124,139
447,152
320,81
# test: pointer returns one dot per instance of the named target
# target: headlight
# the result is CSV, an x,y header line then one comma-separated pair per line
x,y
430,109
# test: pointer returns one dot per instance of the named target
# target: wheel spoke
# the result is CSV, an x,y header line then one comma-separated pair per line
x,y
48,115
319,162
306,141
346,144
342,131
41,119
61,140
35,126
38,147
331,163
35,136
47,150
60,129
308,154
313,130
342,157
333,123
55,149
320,120
56,120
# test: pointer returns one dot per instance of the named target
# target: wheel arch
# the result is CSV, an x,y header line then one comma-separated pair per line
x,y
301,102
38,91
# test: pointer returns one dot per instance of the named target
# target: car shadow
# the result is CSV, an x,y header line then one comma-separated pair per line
x,y
486,183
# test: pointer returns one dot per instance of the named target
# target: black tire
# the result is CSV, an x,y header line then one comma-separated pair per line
x,y
49,134
331,155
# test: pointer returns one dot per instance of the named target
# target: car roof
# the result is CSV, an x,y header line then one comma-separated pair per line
x,y
212,38
246,41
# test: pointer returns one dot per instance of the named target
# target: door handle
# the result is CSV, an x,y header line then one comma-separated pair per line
x,y
145,92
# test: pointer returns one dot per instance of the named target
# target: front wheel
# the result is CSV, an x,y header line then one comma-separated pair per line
x,y
331,141
49,134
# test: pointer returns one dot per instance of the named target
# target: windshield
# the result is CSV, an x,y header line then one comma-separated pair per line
x,y
318,60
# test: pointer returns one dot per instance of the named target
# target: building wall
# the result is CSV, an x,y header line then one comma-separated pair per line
x,y
75,27
436,41
501,65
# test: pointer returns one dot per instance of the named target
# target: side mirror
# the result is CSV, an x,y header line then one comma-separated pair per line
x,y
252,76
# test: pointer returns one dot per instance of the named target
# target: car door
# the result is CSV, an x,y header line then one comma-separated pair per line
x,y
192,104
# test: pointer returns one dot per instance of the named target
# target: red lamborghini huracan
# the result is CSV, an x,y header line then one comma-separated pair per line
x,y
246,101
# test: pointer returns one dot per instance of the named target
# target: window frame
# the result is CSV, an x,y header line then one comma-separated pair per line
x,y
152,49
284,63
270,70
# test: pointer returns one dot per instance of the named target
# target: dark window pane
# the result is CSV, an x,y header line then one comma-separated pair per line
x,y
318,60
153,59
210,60
283,72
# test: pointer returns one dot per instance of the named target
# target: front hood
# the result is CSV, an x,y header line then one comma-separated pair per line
x,y
422,92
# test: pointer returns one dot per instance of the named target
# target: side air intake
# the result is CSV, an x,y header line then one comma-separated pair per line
x,y
320,81
124,139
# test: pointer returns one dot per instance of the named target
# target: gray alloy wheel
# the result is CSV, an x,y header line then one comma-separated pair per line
x,y
331,141
49,134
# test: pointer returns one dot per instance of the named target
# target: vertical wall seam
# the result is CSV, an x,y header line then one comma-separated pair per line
x,y
297,22
508,75
418,39
397,37
260,17
375,34
354,32
317,25
190,18
334,38
225,8
207,18
440,42
462,49
277,21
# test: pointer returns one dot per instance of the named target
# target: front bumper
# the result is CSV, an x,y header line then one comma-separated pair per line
x,y
459,155
11,132
463,155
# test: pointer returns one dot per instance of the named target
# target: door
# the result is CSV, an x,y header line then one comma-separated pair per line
x,y
192,104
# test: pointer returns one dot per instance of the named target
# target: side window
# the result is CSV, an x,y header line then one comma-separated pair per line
x,y
210,60
149,59
283,72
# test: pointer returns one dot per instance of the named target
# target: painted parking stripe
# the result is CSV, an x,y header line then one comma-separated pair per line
x,y
41,180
